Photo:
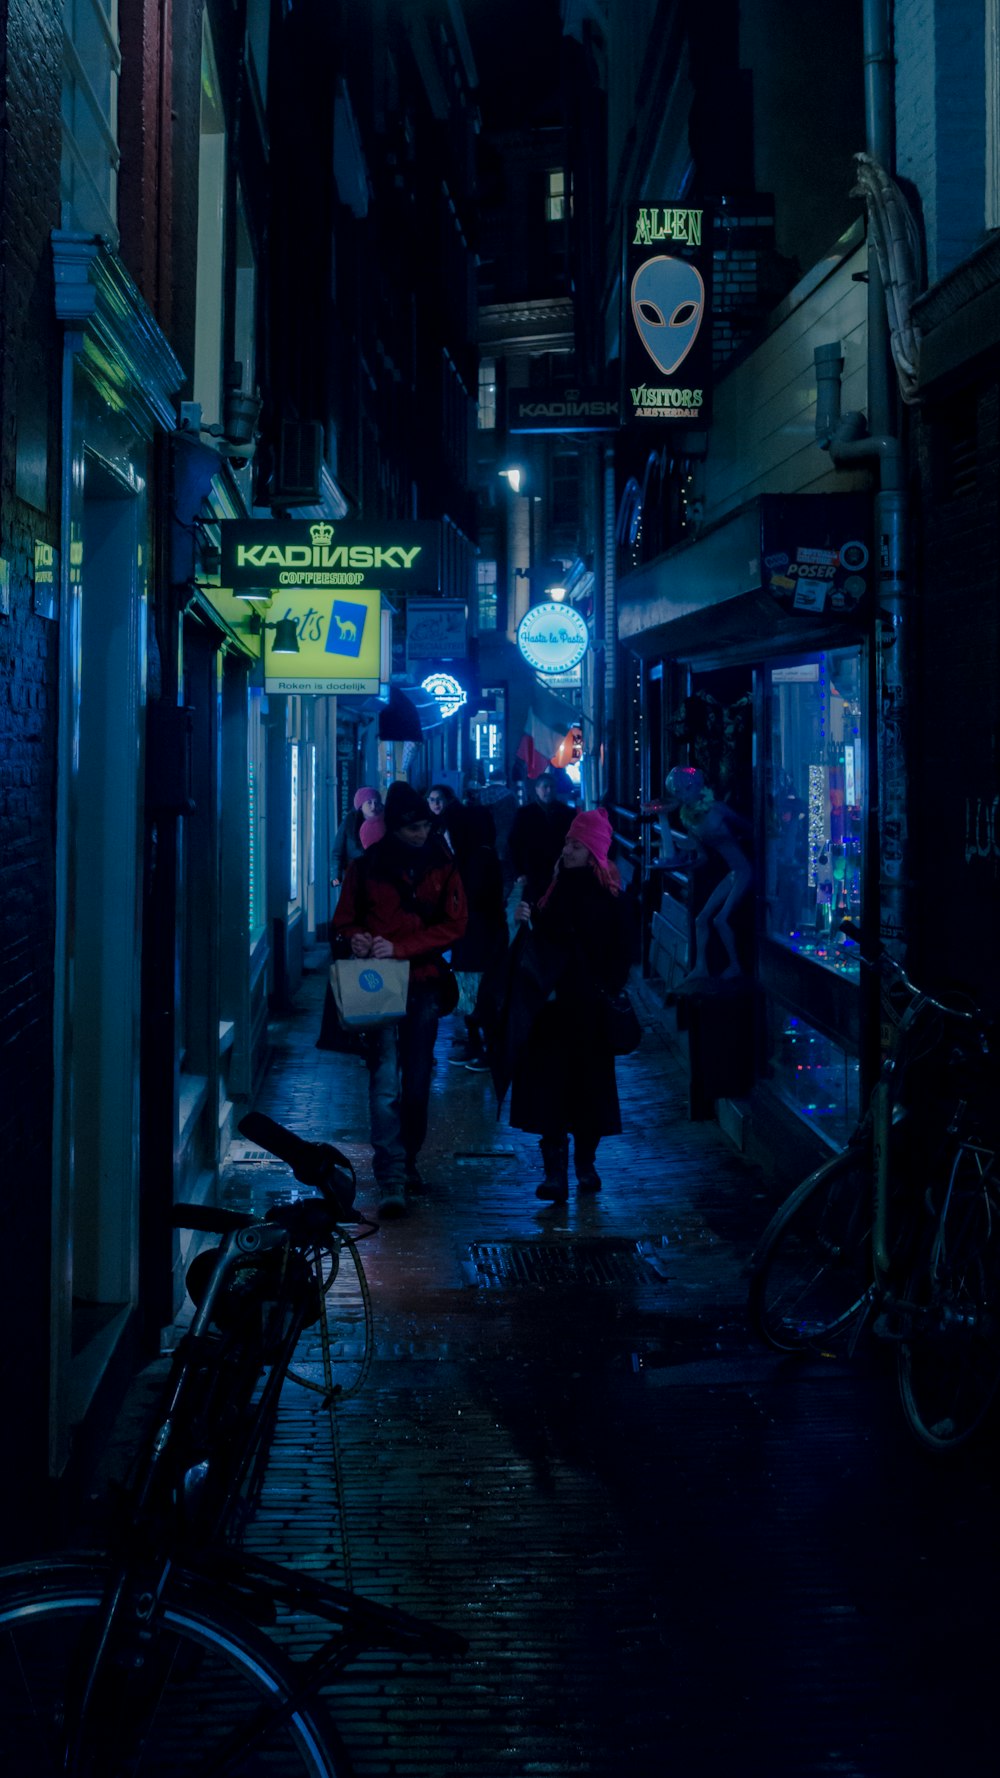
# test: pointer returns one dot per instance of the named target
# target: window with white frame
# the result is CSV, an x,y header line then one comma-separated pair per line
x,y
557,195
89,167
211,236
486,586
487,416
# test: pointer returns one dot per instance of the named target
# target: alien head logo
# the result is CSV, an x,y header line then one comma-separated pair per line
x,y
668,306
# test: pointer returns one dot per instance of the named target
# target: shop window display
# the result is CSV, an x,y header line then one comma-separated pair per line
x,y
814,834
814,1074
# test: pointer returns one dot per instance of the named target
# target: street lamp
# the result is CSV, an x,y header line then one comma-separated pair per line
x,y
286,633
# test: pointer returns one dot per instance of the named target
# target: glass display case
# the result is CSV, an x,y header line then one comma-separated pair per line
x,y
814,1074
814,833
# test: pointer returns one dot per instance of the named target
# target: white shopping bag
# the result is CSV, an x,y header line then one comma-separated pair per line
x,y
369,991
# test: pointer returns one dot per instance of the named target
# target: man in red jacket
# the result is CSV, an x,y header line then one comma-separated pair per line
x,y
404,898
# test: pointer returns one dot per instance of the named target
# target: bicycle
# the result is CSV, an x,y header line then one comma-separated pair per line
x,y
900,1231
153,1658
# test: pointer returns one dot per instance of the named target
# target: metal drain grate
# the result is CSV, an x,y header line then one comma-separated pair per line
x,y
557,1262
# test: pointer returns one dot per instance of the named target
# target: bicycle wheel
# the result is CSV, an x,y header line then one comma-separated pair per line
x,y
213,1674
811,1275
949,1363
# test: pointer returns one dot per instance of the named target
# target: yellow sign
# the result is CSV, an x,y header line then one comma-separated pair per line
x,y
339,636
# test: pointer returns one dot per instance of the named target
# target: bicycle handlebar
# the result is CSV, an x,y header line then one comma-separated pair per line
x,y
889,965
313,1163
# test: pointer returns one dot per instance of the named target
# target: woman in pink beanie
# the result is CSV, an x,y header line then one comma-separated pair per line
x,y
348,844
577,954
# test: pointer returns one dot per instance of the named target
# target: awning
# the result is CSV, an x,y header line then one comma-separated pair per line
x,y
779,570
409,714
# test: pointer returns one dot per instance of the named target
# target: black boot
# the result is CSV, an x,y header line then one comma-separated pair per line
x,y
555,1160
584,1156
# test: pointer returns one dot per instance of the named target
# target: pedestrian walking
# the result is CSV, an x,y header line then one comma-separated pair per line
x,y
472,835
570,958
441,800
498,797
404,898
536,837
332,1035
347,845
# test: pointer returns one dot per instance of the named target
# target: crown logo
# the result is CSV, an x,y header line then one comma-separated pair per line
x,y
321,533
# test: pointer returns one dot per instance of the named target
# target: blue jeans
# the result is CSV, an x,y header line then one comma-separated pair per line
x,y
399,1084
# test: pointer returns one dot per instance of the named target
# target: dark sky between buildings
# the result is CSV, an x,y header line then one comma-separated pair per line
x,y
516,46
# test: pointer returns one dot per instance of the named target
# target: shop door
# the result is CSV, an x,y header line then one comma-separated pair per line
x,y
98,981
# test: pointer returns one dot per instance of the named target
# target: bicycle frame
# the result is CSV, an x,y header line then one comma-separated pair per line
x,y
212,1416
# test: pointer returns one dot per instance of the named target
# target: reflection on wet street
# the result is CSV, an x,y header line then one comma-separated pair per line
x,y
669,1549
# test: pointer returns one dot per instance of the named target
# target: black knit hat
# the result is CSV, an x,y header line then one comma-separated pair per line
x,y
404,805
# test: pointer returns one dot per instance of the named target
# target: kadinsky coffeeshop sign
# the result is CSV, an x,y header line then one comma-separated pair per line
x,y
666,315
552,638
290,553
561,410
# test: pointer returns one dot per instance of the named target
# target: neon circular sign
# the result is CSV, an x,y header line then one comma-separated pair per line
x,y
446,688
552,638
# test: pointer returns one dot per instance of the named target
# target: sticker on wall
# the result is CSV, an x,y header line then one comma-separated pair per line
x,y
815,577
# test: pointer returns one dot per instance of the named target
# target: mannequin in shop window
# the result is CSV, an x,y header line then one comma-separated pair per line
x,y
711,829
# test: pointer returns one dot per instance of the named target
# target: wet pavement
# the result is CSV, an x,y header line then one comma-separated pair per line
x,y
669,1549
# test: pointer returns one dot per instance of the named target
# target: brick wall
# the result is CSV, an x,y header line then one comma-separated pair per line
x,y
29,403
957,803
941,122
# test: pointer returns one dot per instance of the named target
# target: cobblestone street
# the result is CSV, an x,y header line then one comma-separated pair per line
x,y
668,1548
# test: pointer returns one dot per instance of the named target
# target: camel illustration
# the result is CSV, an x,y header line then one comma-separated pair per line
x,y
348,630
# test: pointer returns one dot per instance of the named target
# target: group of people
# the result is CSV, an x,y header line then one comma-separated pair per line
x,y
428,878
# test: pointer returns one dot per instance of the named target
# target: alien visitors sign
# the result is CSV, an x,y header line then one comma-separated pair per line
x,y
666,315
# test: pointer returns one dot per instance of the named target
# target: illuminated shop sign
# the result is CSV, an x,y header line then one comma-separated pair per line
x,y
666,316
436,630
282,553
561,410
340,643
552,638
446,688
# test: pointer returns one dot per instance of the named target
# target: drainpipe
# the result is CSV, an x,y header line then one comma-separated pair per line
x,y
610,619
852,439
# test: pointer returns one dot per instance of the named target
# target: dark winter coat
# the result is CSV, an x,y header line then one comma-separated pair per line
x,y
536,840
346,844
471,833
411,895
577,952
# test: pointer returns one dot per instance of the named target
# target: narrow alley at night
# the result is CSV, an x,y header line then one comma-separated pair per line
x,y
499,861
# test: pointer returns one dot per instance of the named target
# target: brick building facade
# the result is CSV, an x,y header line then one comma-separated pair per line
x,y
209,312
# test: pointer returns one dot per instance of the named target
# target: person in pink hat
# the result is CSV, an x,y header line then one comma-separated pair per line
x,y
576,955
347,844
